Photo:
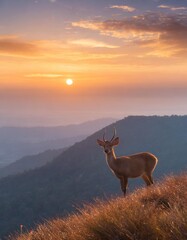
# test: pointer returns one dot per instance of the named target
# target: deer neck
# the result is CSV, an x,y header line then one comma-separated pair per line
x,y
111,158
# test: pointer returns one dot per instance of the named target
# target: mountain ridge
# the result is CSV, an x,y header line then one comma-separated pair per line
x,y
17,142
30,162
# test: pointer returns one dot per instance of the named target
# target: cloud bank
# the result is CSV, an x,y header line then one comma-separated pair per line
x,y
149,27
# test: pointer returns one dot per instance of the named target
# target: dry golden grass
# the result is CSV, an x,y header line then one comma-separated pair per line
x,y
155,213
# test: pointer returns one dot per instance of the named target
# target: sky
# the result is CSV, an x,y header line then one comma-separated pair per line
x,y
125,57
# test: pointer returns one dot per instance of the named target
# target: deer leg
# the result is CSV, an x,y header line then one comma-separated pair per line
x,y
146,179
150,177
124,183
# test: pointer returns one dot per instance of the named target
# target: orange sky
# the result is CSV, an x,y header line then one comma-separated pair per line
x,y
117,54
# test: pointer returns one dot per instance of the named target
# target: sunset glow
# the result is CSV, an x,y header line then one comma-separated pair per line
x,y
128,58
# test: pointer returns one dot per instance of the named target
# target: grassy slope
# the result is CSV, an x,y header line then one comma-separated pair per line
x,y
155,213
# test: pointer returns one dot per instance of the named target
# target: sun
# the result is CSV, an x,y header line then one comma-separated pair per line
x,y
69,82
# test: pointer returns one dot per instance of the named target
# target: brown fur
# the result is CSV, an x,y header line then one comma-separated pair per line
x,y
133,166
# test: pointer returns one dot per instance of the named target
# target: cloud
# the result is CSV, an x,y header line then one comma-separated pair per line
x,y
147,28
92,43
44,75
13,46
172,8
128,30
124,8
52,1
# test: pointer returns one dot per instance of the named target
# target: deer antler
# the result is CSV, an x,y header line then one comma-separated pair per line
x,y
104,135
113,135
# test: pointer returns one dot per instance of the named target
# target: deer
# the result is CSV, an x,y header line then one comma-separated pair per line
x,y
132,166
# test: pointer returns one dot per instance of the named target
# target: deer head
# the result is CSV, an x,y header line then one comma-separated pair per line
x,y
108,145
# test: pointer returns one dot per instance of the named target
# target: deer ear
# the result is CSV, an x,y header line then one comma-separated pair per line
x,y
115,142
101,143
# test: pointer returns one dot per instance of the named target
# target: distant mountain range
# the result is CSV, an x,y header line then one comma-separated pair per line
x,y
30,162
80,173
17,142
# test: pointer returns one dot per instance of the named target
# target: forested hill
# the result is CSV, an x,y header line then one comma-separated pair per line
x,y
80,173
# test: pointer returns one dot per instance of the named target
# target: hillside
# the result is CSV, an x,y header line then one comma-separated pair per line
x,y
30,162
18,142
80,173
155,213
